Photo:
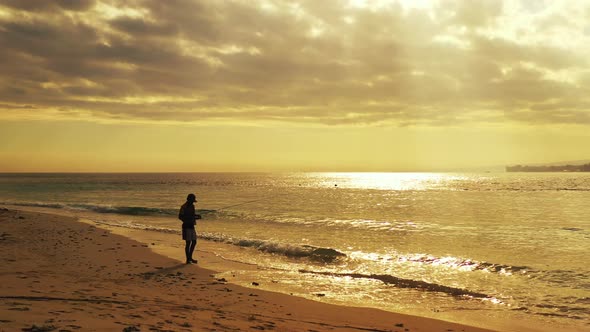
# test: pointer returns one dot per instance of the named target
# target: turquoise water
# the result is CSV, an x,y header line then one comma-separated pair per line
x,y
484,248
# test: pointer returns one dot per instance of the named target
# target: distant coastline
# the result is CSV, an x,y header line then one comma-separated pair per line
x,y
547,168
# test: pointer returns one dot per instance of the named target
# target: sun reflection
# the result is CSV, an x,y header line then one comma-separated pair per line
x,y
386,181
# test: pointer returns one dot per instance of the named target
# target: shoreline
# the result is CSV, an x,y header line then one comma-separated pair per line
x,y
72,275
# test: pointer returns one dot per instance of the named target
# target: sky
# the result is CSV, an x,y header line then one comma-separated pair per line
x,y
269,85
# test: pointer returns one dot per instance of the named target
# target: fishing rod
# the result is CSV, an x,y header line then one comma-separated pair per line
x,y
243,203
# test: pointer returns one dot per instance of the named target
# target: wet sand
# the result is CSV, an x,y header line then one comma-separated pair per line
x,y
58,273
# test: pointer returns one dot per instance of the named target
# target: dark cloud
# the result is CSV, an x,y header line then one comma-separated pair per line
x,y
138,27
76,4
307,61
49,5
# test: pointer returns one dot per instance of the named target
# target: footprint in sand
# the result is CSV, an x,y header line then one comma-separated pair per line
x,y
42,328
20,309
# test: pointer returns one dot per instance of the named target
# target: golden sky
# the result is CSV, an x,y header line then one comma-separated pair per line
x,y
335,85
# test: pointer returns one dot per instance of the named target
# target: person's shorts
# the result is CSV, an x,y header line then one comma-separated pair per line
x,y
189,234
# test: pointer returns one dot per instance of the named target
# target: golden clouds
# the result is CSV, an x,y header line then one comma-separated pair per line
x,y
403,63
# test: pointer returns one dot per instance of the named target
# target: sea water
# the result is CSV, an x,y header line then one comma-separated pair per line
x,y
502,250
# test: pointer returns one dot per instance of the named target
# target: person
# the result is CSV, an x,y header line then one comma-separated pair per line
x,y
189,220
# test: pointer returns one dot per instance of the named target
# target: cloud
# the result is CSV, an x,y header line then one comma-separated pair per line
x,y
45,6
138,27
476,13
307,62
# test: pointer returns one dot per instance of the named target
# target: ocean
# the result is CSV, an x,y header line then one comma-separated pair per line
x,y
501,250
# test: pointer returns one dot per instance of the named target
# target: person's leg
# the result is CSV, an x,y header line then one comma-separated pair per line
x,y
191,250
188,252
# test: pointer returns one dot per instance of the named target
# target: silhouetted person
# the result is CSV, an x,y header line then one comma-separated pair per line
x,y
189,220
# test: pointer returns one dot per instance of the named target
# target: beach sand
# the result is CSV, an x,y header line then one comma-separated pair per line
x,y
60,273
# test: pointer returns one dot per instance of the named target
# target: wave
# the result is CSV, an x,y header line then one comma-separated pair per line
x,y
466,264
408,283
124,210
43,205
319,254
572,229
136,226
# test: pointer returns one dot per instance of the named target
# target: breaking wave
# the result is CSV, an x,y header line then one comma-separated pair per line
x,y
319,254
466,264
408,283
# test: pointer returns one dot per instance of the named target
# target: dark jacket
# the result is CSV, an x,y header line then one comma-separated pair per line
x,y
187,215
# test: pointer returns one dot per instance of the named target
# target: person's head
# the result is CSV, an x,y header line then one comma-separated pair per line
x,y
191,198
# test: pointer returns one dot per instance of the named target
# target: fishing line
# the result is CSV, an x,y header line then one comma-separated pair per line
x,y
243,203
252,201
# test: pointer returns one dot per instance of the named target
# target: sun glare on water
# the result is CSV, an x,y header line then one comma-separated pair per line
x,y
386,181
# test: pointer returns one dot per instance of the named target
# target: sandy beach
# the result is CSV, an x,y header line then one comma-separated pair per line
x,y
61,274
